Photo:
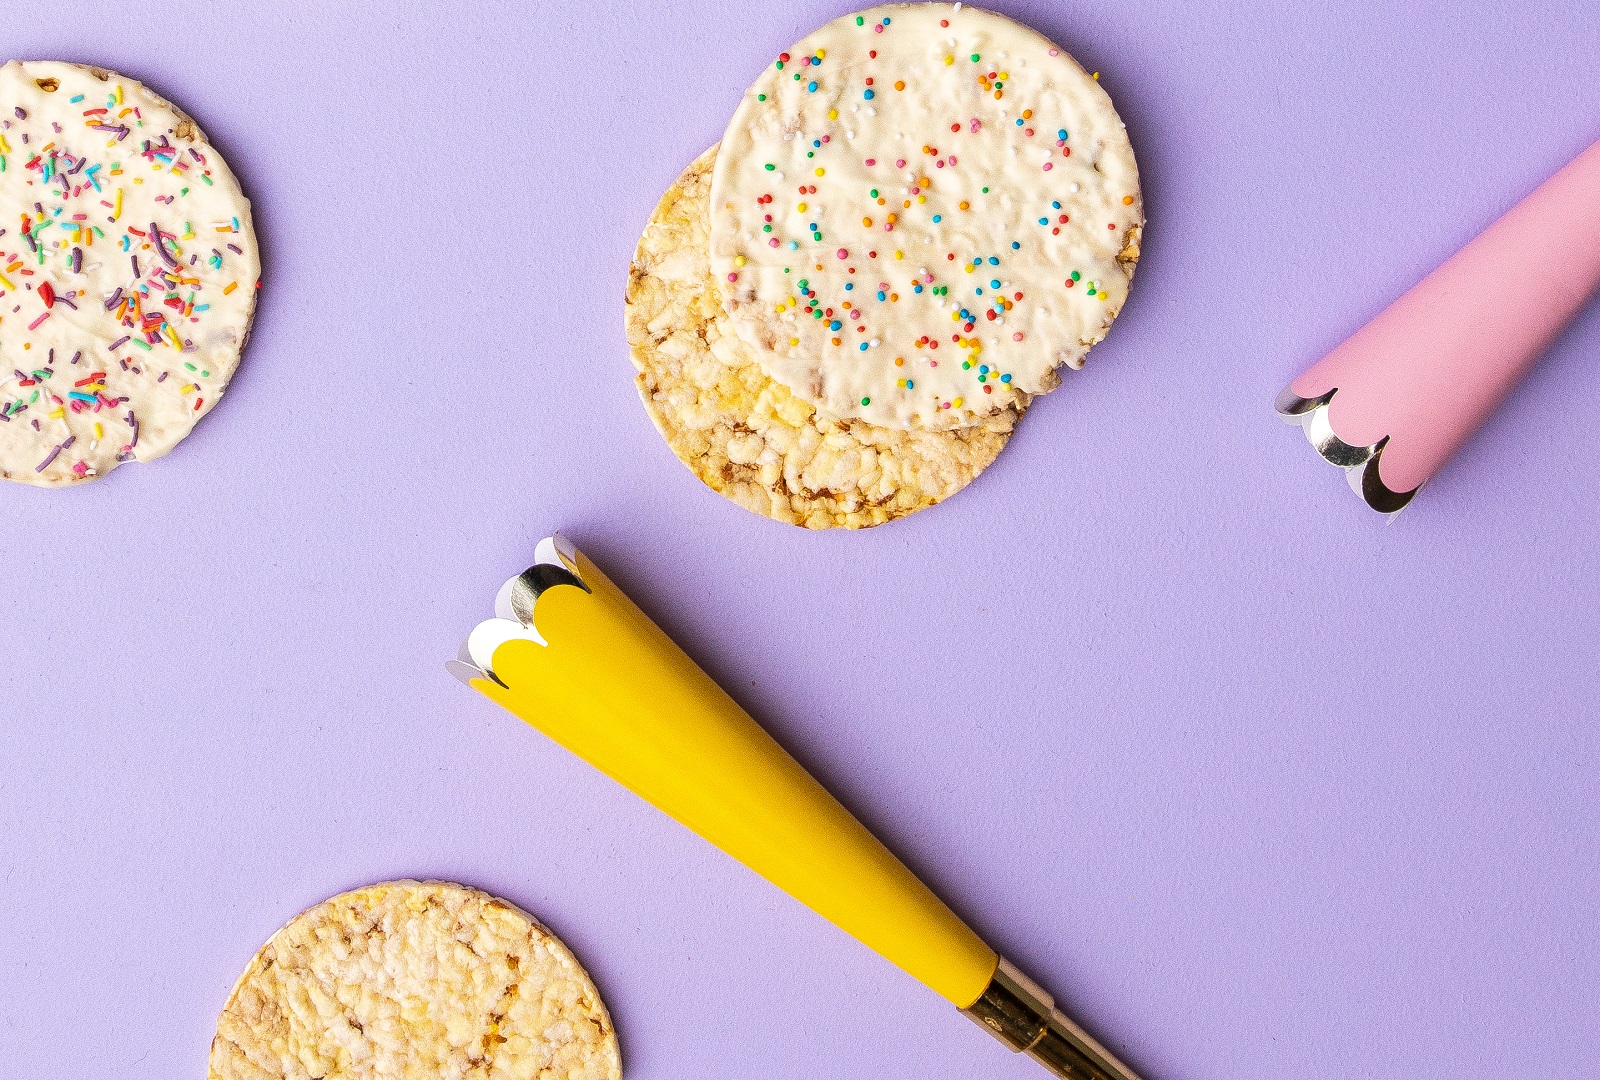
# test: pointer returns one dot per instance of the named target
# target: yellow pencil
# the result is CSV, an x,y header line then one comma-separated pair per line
x,y
597,676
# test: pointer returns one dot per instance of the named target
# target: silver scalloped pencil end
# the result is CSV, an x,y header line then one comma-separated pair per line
x,y
555,562
1360,463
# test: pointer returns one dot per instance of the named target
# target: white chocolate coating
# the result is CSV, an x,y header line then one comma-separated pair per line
x,y
113,341
882,198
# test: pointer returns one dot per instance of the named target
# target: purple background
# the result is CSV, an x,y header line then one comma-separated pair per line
x,y
1259,785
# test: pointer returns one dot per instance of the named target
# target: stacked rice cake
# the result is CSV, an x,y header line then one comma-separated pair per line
x,y
917,215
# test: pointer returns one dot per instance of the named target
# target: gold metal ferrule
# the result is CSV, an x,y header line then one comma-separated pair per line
x,y
1015,1010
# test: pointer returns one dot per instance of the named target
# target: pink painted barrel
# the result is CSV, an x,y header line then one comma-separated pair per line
x,y
1422,376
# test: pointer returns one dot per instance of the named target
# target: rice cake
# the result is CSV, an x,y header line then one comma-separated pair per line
x,y
414,981
747,436
128,273
920,212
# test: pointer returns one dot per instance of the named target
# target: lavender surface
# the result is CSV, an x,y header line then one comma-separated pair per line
x,y
1258,785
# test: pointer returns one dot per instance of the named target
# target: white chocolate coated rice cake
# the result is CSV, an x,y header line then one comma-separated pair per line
x,y
920,211
128,273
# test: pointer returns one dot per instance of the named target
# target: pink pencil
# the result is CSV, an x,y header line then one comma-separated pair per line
x,y
1394,402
